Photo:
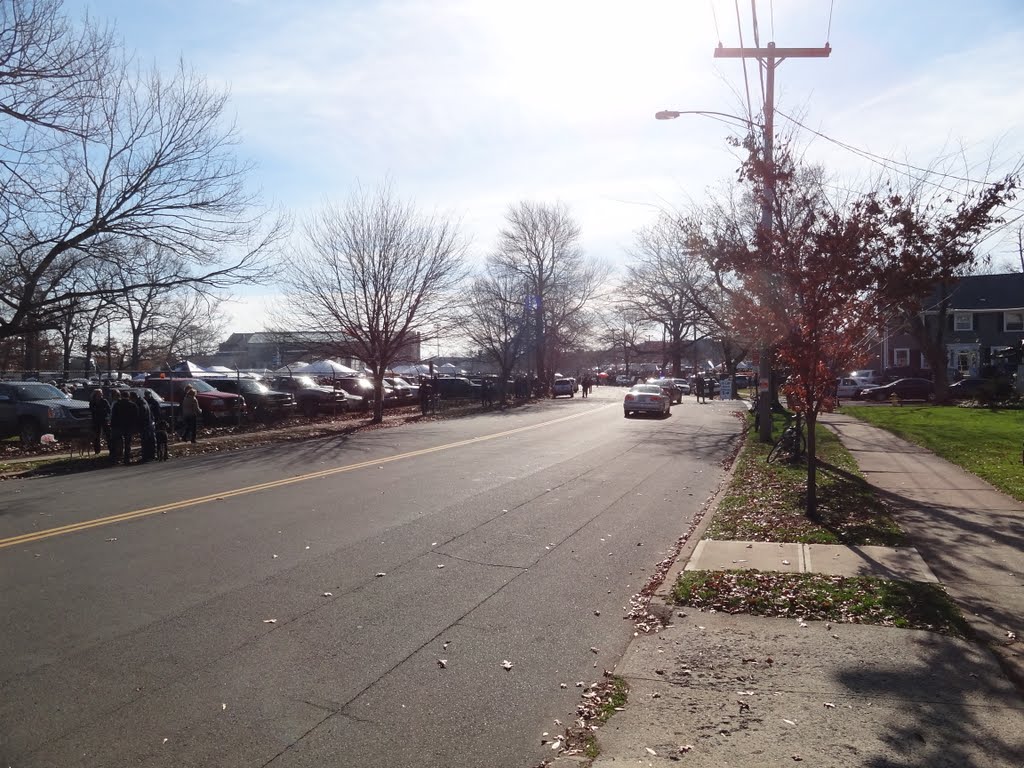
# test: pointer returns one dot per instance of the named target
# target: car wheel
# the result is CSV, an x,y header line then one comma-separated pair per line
x,y
626,414
29,432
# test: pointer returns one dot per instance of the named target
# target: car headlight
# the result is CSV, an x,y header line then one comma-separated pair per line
x,y
58,412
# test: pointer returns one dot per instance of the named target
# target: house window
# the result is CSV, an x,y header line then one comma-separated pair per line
x,y
901,358
924,362
963,321
1013,321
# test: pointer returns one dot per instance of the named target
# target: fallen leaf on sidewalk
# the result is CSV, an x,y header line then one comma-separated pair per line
x,y
685,747
270,621
788,721
506,664
328,594
829,705
381,573
442,663
651,751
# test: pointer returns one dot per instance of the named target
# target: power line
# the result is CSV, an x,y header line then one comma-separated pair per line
x,y
714,15
757,44
828,34
746,82
771,9
886,162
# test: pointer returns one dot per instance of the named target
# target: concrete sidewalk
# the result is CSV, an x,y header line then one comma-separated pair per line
x,y
900,563
970,534
746,692
720,691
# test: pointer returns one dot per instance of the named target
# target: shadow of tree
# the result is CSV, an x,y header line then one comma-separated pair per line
x,y
955,709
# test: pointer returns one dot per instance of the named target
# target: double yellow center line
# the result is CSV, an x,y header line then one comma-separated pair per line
x,y
27,538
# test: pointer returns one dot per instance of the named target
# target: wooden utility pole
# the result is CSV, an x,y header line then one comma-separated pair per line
x,y
768,59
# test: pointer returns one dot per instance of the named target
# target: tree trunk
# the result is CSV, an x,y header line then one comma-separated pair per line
x,y
378,397
812,468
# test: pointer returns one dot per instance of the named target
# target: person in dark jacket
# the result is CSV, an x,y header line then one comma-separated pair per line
x,y
425,393
698,385
123,418
99,409
144,428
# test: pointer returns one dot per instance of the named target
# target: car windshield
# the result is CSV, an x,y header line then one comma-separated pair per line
x,y
646,389
38,391
248,386
200,386
304,381
146,392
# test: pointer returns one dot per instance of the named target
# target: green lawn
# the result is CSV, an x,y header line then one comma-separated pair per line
x,y
985,441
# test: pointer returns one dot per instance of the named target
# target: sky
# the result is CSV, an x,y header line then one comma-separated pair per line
x,y
469,106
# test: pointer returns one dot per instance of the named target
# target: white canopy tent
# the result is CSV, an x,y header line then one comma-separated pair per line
x,y
293,368
188,368
327,367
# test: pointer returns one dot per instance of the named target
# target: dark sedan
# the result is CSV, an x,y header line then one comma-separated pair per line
x,y
905,389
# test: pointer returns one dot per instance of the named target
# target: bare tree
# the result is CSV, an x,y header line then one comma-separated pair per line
x,y
374,272
497,320
190,323
540,244
669,284
48,67
623,328
140,158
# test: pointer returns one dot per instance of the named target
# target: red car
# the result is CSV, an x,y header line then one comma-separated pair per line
x,y
213,403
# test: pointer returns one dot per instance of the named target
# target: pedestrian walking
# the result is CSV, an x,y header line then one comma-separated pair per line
x,y
698,386
190,414
425,392
585,386
123,419
99,410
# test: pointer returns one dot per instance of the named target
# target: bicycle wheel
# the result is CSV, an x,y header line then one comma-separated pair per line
x,y
780,448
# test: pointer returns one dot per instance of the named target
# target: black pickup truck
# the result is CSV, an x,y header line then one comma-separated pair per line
x,y
31,409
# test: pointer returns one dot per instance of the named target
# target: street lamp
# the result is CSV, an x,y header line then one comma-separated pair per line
x,y
672,114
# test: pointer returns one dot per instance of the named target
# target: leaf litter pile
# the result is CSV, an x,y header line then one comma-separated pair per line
x,y
856,600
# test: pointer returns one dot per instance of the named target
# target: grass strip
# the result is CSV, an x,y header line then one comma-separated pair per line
x,y
841,599
767,502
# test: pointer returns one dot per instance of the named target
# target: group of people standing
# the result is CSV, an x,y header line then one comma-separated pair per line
x,y
128,414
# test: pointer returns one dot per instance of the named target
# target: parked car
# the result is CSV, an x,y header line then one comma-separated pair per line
x,y
213,404
363,388
455,386
906,389
867,377
31,409
563,387
311,398
645,398
977,388
847,387
622,380
261,401
407,393
671,388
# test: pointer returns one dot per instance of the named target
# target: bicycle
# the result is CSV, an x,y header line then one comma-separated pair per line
x,y
792,443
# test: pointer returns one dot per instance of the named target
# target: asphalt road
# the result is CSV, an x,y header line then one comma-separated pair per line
x,y
287,606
